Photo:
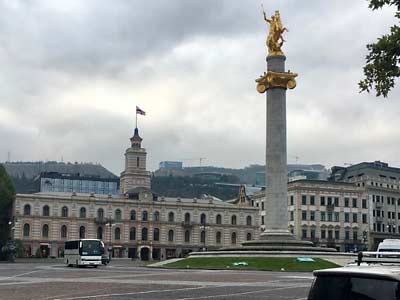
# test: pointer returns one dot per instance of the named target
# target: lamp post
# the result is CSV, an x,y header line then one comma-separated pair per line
x,y
110,224
203,228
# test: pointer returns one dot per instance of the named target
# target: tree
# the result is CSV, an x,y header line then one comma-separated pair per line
x,y
382,61
7,194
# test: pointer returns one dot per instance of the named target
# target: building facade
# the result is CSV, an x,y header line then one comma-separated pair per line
x,y
381,186
134,224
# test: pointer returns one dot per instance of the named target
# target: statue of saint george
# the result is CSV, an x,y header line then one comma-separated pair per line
x,y
275,39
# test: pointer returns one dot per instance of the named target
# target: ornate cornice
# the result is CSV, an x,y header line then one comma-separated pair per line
x,y
275,79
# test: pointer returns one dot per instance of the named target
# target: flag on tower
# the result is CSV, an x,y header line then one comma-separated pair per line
x,y
139,111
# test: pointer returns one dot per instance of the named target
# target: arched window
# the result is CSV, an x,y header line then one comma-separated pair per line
x,y
248,236
171,217
187,218
218,219
132,234
118,216
46,211
233,238
203,236
187,236
117,233
27,210
100,233
218,237
145,216
133,215
64,232
64,212
156,216
144,234
45,231
82,213
170,235
233,220
27,230
156,234
248,221
82,232
100,213
203,219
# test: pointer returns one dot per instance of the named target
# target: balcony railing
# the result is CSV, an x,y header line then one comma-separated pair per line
x,y
330,207
187,224
100,220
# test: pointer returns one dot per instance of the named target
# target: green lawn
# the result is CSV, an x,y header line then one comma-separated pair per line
x,y
254,263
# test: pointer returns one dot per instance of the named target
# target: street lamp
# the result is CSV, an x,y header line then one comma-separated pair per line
x,y
110,224
203,228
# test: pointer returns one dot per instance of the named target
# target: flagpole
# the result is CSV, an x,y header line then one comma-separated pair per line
x,y
136,120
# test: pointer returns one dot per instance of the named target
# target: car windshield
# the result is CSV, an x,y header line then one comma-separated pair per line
x,y
353,288
91,248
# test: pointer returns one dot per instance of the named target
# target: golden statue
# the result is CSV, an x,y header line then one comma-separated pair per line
x,y
275,39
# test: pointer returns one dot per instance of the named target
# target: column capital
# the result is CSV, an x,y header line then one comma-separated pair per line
x,y
273,79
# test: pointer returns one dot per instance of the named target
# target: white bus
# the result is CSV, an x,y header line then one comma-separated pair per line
x,y
83,252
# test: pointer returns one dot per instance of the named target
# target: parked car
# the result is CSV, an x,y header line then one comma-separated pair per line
x,y
372,280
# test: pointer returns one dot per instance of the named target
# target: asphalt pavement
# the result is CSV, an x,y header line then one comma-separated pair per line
x,y
123,281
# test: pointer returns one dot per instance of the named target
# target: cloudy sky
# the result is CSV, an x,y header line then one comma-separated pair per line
x,y
73,71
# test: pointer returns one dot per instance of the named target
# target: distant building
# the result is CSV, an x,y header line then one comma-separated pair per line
x,y
381,186
59,182
171,165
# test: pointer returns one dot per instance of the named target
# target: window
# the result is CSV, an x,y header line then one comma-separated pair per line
x,y
304,215
323,234
219,219
346,202
291,216
330,234
27,210
312,233
187,236
144,234
64,212
156,234
233,220
82,232
100,233
364,203
233,238
291,200
354,202
312,215
354,217
218,237
202,236
156,216
303,199
336,200
347,235
346,217
329,200
117,233
322,201
171,217
336,216
132,234
145,216
82,213
26,230
248,236
45,231
137,162
322,216
304,233
312,200
187,218
100,213
170,235
203,219
262,205
64,232
133,215
46,211
248,221
262,220
355,235
118,215
329,217
337,234
364,218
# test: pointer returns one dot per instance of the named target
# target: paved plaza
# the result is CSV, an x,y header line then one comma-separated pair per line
x,y
122,280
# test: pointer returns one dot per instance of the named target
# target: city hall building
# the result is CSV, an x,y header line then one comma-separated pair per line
x,y
135,224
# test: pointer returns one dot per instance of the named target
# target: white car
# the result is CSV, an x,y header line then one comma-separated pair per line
x,y
372,280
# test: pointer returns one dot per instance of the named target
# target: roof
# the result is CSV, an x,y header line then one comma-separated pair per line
x,y
391,272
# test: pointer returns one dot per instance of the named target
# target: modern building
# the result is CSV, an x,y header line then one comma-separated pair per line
x,y
136,223
59,182
381,187
171,165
